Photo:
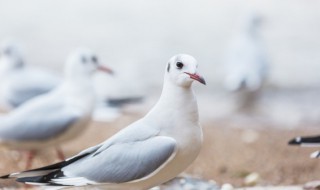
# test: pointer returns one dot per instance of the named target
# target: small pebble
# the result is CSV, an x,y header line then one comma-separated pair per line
x,y
227,186
312,185
213,182
182,181
155,188
252,179
250,136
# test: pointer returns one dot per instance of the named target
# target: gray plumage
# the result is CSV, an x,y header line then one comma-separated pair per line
x,y
142,157
38,122
20,82
24,84
109,162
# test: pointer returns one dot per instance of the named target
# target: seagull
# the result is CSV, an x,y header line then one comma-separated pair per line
x,y
20,82
114,93
60,115
310,141
146,153
246,63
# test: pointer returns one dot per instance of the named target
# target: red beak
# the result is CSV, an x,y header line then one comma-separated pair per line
x,y
105,69
197,78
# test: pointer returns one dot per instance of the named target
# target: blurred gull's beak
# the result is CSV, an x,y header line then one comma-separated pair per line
x,y
197,78
105,69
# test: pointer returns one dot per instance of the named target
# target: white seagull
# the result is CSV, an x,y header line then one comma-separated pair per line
x,y
309,141
20,82
57,116
246,63
148,152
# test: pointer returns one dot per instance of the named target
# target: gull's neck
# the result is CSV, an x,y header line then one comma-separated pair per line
x,y
176,99
79,85
79,92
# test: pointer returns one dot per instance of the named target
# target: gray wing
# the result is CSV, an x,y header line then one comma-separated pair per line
x,y
22,91
120,163
22,95
29,83
37,123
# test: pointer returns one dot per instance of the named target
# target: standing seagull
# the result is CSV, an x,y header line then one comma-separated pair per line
x,y
148,152
20,82
57,116
310,141
246,63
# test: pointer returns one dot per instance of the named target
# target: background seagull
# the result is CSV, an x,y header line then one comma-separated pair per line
x,y
111,105
246,63
20,82
310,141
148,152
114,94
57,116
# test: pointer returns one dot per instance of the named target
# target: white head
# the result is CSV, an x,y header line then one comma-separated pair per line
x,y
82,63
182,70
11,55
252,23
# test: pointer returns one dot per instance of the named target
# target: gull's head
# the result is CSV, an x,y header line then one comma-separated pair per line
x,y
11,55
182,70
84,62
253,22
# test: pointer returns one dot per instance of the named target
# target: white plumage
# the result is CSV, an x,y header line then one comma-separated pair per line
x,y
246,62
148,152
60,115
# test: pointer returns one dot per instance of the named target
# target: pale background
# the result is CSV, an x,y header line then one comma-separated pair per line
x,y
146,33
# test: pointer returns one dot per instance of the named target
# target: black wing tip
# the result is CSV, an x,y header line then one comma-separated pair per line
x,y
5,176
305,140
35,180
295,141
23,179
44,179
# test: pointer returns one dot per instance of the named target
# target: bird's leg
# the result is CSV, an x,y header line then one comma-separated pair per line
x,y
30,156
60,153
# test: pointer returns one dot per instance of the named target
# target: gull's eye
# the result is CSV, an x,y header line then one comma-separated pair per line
x,y
94,59
179,65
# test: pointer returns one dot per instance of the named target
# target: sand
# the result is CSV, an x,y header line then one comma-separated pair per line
x,y
227,155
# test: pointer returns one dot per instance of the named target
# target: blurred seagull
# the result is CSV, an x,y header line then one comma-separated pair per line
x,y
57,116
310,141
114,94
19,82
246,63
148,152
